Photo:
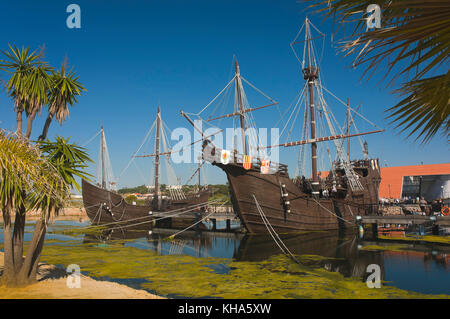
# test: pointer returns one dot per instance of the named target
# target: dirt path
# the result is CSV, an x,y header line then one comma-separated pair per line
x,y
52,284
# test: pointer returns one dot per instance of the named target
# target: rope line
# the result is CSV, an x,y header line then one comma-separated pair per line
x,y
179,232
272,231
329,211
189,209
91,139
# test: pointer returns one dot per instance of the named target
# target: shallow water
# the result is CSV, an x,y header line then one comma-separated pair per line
x,y
234,265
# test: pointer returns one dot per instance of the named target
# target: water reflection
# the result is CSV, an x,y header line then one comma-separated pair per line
x,y
421,267
199,242
340,251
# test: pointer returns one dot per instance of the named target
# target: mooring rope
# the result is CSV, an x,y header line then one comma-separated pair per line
x,y
272,231
150,216
329,211
179,232
164,217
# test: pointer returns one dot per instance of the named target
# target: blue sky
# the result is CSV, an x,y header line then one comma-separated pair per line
x,y
132,55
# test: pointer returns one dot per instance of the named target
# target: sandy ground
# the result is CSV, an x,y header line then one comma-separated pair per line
x,y
52,284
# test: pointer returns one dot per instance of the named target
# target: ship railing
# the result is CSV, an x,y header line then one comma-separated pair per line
x,y
213,155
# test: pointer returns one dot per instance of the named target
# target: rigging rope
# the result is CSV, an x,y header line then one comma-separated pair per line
x,y
139,148
353,110
180,211
91,139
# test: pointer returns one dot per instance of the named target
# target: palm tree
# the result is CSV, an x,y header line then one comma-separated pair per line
x,y
64,90
19,64
38,84
412,43
45,172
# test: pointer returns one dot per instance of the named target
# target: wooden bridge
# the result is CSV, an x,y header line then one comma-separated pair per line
x,y
221,212
405,220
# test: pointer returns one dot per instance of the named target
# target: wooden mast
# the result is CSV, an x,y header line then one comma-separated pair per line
x,y
241,108
199,182
348,129
310,74
102,148
157,142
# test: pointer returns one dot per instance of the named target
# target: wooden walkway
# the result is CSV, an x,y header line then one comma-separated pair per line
x,y
406,219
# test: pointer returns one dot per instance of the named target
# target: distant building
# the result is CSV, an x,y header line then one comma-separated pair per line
x,y
428,181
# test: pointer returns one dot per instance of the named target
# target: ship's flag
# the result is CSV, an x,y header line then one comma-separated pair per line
x,y
265,166
225,157
247,162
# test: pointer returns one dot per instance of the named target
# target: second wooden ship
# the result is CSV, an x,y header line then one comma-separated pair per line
x,y
104,205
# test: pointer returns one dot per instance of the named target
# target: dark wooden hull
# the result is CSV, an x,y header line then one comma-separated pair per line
x,y
307,213
103,206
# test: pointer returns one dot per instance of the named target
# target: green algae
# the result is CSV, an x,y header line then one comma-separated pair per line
x,y
315,260
398,248
415,238
77,231
187,276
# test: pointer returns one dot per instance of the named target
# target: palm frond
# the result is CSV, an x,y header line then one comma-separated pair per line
x,y
64,91
424,107
413,42
68,159
23,169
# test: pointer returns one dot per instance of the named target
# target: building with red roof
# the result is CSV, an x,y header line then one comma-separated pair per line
x,y
430,181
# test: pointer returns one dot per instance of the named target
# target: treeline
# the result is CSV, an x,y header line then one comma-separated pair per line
x,y
219,191
142,189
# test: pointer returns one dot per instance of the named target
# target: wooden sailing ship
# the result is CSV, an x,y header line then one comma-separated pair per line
x,y
263,200
104,205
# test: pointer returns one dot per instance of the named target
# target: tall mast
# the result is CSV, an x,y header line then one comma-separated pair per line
x,y
102,148
199,166
311,73
241,108
348,129
157,142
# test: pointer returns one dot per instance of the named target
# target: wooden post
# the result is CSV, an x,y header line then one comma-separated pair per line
x,y
435,229
375,230
214,223
228,225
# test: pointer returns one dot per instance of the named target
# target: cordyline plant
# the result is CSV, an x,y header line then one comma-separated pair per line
x,y
32,84
35,177
64,90
19,64
413,43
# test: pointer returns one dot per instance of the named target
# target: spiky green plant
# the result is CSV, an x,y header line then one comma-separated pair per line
x,y
33,177
38,84
19,63
64,90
